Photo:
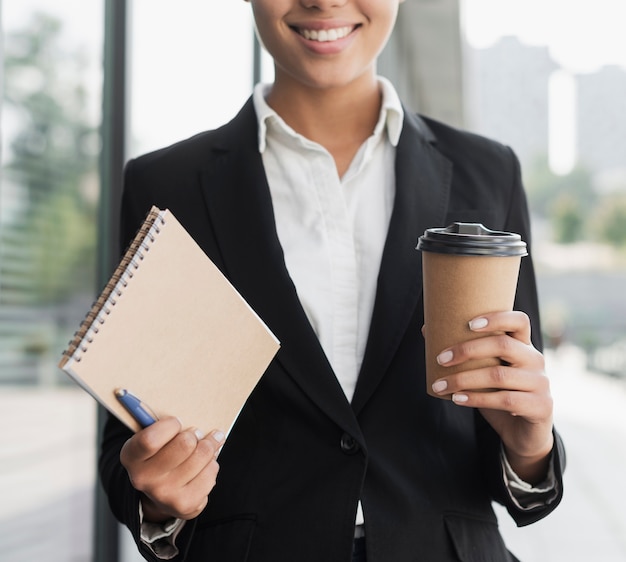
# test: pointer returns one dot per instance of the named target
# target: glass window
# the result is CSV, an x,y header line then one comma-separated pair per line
x,y
549,78
48,199
181,81
190,68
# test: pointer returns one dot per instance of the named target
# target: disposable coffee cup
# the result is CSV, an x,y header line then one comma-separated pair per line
x,y
468,270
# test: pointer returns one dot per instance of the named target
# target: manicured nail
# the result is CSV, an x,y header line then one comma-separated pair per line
x,y
478,323
219,436
199,434
445,357
460,398
439,386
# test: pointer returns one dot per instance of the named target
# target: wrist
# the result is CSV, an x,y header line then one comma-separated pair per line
x,y
151,512
532,469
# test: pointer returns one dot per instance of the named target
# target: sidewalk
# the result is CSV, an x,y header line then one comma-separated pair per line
x,y
47,468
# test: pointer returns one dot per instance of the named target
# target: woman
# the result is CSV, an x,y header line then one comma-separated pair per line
x,y
311,202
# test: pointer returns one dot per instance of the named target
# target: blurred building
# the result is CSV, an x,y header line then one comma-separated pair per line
x,y
508,99
601,119
507,95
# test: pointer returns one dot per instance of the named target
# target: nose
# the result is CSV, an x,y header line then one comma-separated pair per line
x,y
322,4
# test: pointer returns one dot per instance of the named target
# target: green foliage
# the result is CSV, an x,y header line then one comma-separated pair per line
x,y
609,220
52,163
568,219
548,191
61,239
573,207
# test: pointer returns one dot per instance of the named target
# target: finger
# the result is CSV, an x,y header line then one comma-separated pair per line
x,y
517,391
497,377
501,346
176,451
185,501
217,438
515,323
147,442
153,438
533,407
204,454
150,473
200,487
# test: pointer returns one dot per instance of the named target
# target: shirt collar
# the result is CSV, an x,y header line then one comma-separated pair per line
x,y
391,113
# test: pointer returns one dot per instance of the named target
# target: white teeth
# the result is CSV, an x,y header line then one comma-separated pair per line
x,y
325,35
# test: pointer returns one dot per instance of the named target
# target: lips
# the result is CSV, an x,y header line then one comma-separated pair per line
x,y
325,35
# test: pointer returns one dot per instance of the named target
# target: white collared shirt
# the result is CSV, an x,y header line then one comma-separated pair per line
x,y
333,229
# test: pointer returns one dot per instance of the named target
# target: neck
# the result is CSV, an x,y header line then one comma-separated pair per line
x,y
340,119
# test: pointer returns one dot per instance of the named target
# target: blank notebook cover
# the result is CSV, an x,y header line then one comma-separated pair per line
x,y
171,329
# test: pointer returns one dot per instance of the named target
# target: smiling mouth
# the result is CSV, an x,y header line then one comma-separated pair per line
x,y
325,35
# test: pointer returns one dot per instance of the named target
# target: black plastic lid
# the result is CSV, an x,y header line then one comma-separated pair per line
x,y
471,239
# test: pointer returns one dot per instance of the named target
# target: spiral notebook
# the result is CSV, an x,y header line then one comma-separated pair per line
x,y
172,330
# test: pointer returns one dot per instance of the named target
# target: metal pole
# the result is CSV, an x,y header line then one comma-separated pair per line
x,y
113,132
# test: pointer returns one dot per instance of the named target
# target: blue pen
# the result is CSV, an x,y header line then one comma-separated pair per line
x,y
135,407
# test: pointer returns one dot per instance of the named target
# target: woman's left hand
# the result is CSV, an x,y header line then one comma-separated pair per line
x,y
514,396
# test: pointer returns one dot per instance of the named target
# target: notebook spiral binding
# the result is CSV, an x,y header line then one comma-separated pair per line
x,y
102,307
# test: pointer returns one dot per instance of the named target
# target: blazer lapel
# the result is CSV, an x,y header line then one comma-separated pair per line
x,y
238,199
423,178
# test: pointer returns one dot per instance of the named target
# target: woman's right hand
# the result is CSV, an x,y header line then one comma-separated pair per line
x,y
174,469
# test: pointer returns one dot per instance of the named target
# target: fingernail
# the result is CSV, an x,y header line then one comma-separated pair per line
x,y
219,436
199,434
478,323
439,386
460,398
445,357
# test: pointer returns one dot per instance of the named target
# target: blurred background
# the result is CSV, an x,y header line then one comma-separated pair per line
x,y
87,85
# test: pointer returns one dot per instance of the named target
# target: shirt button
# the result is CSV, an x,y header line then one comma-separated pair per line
x,y
348,444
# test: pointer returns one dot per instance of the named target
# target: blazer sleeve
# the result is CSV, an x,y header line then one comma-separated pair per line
x,y
518,220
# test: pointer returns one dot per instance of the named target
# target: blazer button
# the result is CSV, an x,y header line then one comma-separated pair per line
x,y
348,444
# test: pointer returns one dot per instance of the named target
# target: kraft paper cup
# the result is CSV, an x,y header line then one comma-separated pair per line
x,y
468,270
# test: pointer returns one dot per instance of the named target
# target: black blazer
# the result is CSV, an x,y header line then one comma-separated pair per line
x,y
300,456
